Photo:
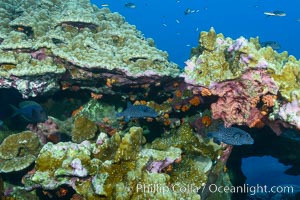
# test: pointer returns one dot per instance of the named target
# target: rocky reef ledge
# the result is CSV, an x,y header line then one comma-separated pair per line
x,y
55,44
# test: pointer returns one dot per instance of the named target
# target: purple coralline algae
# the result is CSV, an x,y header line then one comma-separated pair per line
x,y
158,166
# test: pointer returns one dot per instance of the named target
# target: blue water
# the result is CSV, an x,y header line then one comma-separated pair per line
x,y
268,171
176,33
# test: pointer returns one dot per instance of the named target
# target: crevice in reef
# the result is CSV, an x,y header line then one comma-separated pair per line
x,y
267,143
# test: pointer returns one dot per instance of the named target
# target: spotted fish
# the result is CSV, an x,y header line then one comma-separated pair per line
x,y
137,111
231,136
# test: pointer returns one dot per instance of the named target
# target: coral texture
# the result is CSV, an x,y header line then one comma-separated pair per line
x,y
18,151
44,46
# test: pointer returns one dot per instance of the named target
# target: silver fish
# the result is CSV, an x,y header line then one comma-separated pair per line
x,y
130,5
277,13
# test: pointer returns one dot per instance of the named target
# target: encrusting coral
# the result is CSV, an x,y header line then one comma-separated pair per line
x,y
83,129
62,44
18,151
118,166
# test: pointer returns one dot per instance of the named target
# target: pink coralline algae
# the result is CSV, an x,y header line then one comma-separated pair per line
x,y
234,104
45,131
39,54
28,87
226,153
158,166
78,168
237,45
290,112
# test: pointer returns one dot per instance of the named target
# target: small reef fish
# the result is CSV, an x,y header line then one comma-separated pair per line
x,y
231,136
187,11
130,5
190,11
31,111
137,111
275,45
1,123
275,13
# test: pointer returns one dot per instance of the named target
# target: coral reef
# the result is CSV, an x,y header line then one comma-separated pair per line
x,y
121,167
76,50
45,46
115,167
247,79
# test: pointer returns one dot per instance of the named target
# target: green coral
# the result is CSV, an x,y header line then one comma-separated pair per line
x,y
208,39
84,129
18,151
188,141
210,62
98,111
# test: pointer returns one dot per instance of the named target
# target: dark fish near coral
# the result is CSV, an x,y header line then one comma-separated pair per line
x,y
137,111
30,111
231,136
130,5
275,45
275,13
1,123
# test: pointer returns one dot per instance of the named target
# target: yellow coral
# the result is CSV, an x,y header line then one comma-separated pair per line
x,y
288,79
